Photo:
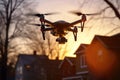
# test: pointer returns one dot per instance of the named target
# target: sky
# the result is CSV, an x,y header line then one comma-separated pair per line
x,y
62,7
94,25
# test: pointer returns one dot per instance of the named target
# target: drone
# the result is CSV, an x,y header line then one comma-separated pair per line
x,y
60,28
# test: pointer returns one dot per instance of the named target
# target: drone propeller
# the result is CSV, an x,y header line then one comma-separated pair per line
x,y
39,24
51,13
78,13
39,15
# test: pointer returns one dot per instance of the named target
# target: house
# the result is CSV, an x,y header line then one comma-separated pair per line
x,y
103,56
98,60
81,66
37,67
67,67
82,72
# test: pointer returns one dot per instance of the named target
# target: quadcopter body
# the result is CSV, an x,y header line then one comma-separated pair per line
x,y
60,28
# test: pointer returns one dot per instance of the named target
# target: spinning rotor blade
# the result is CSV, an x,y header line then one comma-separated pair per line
x,y
80,13
50,13
39,15
76,13
36,24
39,24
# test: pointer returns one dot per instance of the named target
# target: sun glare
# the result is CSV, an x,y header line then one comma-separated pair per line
x,y
100,62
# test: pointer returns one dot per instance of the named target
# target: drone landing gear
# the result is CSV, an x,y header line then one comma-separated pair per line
x,y
43,34
82,26
75,30
43,31
83,22
61,40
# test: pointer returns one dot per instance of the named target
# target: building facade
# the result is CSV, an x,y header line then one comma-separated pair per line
x,y
103,56
98,60
67,67
36,67
81,65
81,70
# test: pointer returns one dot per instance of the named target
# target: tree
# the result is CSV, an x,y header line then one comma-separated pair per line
x,y
108,14
112,6
115,7
34,40
9,13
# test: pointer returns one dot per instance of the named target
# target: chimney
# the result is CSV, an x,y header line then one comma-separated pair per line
x,y
34,52
57,58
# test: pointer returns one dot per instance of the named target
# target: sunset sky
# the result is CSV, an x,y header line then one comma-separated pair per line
x,y
95,25
99,27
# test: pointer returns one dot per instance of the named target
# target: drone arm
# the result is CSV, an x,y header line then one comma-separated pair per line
x,y
48,22
76,22
48,29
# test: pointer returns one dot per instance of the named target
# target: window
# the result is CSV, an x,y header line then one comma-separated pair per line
x,y
100,55
20,70
82,61
27,67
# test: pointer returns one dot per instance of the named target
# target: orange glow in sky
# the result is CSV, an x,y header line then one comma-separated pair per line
x,y
63,6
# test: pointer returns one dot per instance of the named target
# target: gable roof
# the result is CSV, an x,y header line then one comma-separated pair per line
x,y
70,60
110,42
81,49
24,59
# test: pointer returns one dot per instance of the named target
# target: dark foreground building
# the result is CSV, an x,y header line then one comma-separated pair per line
x,y
36,67
103,57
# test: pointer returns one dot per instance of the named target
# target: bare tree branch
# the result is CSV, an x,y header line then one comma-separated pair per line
x,y
113,8
7,10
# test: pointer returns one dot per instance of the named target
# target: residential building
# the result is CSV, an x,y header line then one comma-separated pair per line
x,y
36,67
67,67
98,60
81,71
103,56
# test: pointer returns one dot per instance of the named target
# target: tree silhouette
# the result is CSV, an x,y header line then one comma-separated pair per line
x,y
9,13
114,8
108,15
48,47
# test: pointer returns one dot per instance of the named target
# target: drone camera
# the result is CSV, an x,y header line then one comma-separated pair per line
x,y
61,40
